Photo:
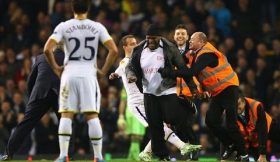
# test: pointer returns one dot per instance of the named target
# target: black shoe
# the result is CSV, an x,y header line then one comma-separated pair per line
x,y
244,158
166,158
228,152
5,157
194,156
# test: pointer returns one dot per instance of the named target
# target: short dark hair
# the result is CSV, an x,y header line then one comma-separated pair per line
x,y
81,6
123,41
153,30
181,26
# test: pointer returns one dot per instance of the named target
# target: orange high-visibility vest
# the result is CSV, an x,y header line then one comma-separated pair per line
x,y
249,131
215,80
182,88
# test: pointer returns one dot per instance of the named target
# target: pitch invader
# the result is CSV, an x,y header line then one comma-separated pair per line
x,y
136,104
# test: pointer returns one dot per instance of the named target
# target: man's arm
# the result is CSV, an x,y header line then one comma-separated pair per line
x,y
48,51
111,57
118,72
261,126
202,62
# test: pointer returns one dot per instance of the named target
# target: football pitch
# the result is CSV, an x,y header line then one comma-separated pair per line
x,y
115,160
118,160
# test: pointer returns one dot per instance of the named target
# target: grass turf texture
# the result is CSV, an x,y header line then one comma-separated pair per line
x,y
117,160
106,161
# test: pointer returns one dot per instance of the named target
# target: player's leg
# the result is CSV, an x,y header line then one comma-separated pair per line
x,y
138,112
169,135
95,134
68,104
175,115
64,133
146,155
90,98
136,132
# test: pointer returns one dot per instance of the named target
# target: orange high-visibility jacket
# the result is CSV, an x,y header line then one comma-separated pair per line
x,y
215,80
249,131
182,87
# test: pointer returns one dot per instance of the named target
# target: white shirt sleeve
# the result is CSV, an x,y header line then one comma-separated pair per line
x,y
120,70
57,35
104,35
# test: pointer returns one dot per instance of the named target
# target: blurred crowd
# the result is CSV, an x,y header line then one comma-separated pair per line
x,y
246,31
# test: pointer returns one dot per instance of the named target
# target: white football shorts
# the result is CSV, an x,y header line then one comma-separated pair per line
x,y
79,94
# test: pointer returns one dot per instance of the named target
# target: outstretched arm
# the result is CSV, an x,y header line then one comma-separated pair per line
x,y
202,62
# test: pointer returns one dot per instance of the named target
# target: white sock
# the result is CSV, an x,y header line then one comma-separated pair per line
x,y
95,135
171,137
148,147
64,134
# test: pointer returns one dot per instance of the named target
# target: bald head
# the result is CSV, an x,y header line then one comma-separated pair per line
x,y
198,39
201,36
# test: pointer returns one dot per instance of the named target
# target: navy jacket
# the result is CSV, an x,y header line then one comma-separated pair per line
x,y
42,79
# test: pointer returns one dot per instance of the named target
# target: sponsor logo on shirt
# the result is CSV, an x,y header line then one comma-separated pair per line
x,y
150,70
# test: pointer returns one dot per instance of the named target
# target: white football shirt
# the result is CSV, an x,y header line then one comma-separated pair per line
x,y
81,39
151,61
134,96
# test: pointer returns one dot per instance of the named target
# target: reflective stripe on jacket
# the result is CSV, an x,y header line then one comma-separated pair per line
x,y
215,80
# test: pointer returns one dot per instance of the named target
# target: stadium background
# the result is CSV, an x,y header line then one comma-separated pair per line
x,y
246,31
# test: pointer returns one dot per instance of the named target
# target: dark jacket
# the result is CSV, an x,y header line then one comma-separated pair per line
x,y
42,79
172,59
186,50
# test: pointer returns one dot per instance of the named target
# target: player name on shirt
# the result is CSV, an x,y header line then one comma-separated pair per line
x,y
81,27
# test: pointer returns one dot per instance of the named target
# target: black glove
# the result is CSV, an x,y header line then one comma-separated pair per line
x,y
166,73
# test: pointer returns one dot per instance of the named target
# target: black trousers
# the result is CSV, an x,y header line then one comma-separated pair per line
x,y
227,100
33,113
166,109
188,111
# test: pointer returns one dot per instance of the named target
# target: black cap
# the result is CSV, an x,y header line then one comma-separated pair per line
x,y
153,30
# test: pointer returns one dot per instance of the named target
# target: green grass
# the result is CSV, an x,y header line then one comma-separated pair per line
x,y
92,161
117,160
202,159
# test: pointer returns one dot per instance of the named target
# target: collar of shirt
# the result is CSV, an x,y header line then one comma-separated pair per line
x,y
183,48
243,116
196,51
243,113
